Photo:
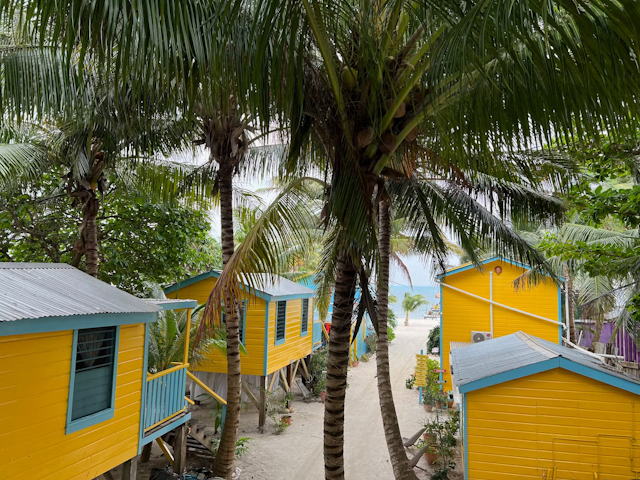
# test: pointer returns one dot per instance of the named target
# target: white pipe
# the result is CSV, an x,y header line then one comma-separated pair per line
x,y
517,310
566,304
491,304
599,356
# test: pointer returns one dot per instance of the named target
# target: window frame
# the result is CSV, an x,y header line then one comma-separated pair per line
x,y
275,332
242,332
98,417
304,333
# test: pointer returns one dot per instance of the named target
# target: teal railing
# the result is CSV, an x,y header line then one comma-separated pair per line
x,y
165,396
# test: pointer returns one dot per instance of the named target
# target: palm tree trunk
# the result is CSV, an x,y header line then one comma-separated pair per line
x,y
569,293
90,232
406,320
223,463
397,455
337,364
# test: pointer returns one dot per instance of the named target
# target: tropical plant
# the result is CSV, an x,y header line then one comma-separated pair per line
x,y
410,303
318,370
434,340
410,381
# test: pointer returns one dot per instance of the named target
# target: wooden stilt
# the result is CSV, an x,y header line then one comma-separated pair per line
x,y
180,450
251,396
146,453
263,404
165,450
284,378
274,379
293,375
304,369
130,469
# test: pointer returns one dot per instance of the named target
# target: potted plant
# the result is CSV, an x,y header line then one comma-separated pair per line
x,y
318,371
354,363
286,419
431,452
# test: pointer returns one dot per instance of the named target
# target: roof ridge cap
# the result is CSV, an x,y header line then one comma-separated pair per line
x,y
534,345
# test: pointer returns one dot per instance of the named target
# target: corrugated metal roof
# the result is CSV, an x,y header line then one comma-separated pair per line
x,y
271,285
503,354
38,290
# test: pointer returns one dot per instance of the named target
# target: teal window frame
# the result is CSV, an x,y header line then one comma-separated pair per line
x,y
243,321
304,312
275,333
99,417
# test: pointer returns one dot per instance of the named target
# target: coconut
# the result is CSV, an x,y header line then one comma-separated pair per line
x,y
401,111
412,135
349,77
365,136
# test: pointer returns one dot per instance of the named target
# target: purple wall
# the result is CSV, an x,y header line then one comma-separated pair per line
x,y
622,340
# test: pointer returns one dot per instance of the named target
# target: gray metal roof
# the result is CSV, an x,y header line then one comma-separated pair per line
x,y
503,354
280,286
37,290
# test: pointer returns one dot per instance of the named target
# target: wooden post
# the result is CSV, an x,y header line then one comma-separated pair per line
x,y
146,453
263,404
185,359
180,450
130,469
293,375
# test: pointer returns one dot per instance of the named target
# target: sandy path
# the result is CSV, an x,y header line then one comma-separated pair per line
x,y
297,453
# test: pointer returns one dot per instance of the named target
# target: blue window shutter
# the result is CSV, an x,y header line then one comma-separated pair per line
x,y
304,328
243,320
94,371
281,321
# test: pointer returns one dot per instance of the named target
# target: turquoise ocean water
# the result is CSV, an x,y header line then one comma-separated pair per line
x,y
429,292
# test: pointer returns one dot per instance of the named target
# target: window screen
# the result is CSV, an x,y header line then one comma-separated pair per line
x,y
93,380
305,316
281,320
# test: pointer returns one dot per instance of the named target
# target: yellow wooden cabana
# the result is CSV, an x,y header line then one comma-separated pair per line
x,y
75,396
479,305
275,329
533,409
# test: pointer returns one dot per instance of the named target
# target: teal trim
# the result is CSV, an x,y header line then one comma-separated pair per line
x,y
143,398
464,436
464,268
72,322
441,346
176,304
600,376
191,281
266,340
99,417
243,330
511,375
559,316
158,433
275,336
302,312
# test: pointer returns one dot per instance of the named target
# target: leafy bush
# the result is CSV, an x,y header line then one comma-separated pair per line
x,y
318,370
370,341
446,442
434,340
390,334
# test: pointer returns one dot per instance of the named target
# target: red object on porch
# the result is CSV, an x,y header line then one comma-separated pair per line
x,y
328,327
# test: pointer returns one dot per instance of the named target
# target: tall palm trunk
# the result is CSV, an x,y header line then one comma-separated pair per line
x,y
399,460
90,233
571,315
337,364
223,463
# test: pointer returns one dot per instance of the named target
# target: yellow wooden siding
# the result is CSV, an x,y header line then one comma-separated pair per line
x,y
461,313
253,362
294,347
198,291
517,429
34,389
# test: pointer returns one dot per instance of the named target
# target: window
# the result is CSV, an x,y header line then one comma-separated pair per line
x,y
281,321
243,320
93,377
304,328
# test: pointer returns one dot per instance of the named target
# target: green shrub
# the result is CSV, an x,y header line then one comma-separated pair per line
x,y
434,340
318,370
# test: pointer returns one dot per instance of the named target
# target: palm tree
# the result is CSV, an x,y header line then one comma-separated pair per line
x,y
410,303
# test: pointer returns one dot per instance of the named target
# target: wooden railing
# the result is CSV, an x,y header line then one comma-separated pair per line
x,y
165,396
